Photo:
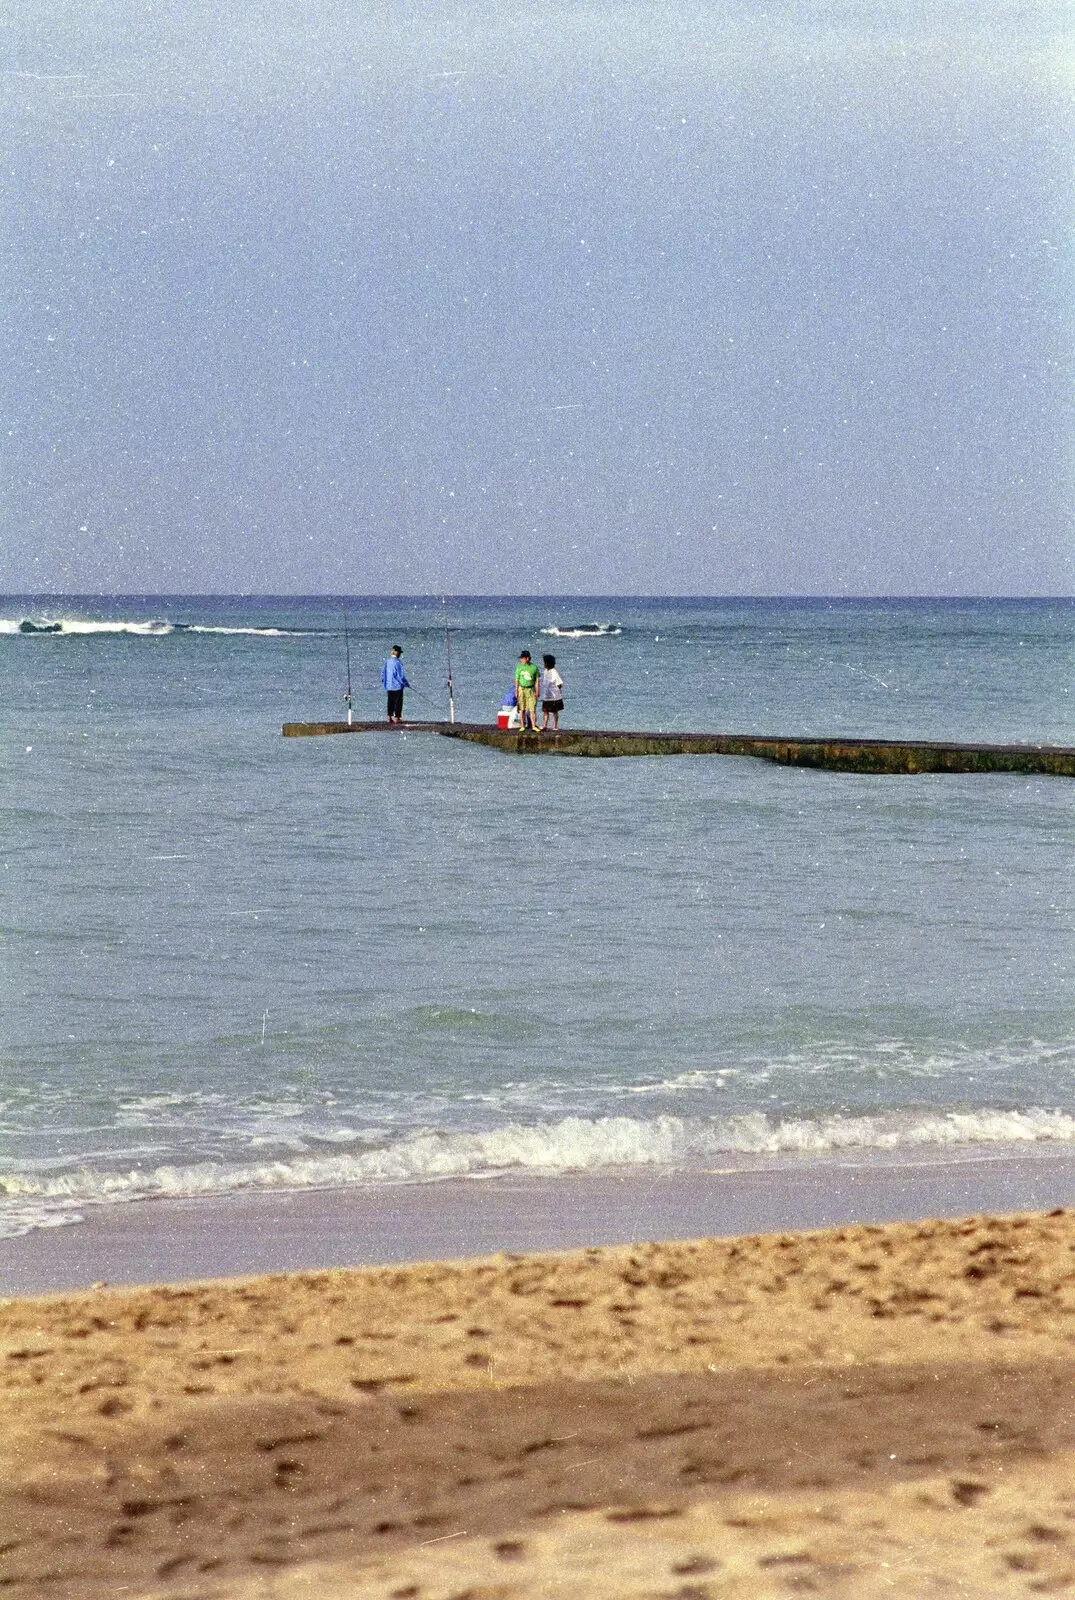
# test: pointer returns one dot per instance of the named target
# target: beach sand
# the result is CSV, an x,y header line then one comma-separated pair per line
x,y
869,1410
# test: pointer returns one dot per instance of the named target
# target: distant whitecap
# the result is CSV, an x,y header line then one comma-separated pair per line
x,y
585,630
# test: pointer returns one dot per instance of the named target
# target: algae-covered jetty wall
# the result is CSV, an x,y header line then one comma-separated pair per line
x,y
837,755
833,754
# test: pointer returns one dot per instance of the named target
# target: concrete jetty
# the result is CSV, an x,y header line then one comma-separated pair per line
x,y
833,754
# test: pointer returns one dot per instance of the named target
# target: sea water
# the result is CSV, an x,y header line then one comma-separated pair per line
x,y
233,961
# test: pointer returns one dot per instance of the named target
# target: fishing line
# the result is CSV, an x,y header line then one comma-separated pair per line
x,y
420,695
347,699
451,690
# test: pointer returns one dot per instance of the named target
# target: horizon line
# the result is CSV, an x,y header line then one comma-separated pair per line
x,y
443,596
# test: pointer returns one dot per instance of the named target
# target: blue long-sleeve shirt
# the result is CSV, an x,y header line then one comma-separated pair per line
x,y
393,675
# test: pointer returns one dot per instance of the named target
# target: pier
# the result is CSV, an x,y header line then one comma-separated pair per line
x,y
877,756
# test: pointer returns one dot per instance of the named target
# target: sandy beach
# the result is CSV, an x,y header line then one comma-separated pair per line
x,y
865,1410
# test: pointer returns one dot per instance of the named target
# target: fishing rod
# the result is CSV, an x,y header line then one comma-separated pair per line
x,y
347,699
451,690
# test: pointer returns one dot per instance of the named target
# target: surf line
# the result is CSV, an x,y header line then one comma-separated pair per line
x,y
874,756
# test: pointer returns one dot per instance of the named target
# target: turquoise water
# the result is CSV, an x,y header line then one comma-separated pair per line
x,y
232,960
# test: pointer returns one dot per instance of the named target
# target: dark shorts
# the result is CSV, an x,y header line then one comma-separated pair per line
x,y
553,705
395,702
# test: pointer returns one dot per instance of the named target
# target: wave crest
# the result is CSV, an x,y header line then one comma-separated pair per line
x,y
585,630
573,1144
149,628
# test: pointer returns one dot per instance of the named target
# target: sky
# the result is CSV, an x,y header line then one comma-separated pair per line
x,y
563,296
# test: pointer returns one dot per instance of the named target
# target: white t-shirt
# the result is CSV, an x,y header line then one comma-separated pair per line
x,y
552,685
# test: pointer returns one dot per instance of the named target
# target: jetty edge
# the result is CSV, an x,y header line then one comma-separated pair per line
x,y
877,756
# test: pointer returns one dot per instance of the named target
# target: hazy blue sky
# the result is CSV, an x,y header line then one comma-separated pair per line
x,y
563,295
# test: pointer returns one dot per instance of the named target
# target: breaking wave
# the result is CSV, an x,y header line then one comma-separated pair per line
x,y
572,1144
151,628
585,630
255,633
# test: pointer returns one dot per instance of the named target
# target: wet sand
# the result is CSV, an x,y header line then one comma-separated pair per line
x,y
228,1235
859,1411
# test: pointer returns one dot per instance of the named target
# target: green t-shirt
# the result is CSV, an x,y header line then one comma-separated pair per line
x,y
527,675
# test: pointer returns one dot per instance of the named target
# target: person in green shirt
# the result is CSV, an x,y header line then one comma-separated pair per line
x,y
526,686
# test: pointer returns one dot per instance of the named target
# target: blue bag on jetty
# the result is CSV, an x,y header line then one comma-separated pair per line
x,y
508,715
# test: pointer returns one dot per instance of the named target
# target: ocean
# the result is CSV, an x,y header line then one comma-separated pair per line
x,y
236,962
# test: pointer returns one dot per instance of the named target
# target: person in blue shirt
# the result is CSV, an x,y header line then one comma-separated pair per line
x,y
394,681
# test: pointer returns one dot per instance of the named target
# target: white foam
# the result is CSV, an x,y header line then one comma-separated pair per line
x,y
585,630
147,629
150,629
54,626
252,633
894,1060
570,1144
17,1219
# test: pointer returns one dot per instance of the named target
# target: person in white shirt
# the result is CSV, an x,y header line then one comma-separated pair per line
x,y
552,693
